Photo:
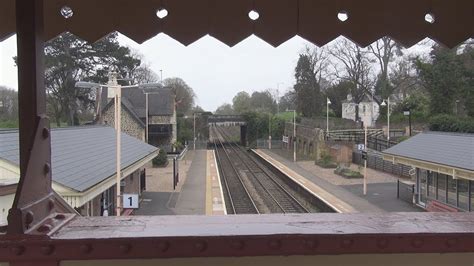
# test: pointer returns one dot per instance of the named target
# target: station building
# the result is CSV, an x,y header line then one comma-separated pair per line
x,y
444,169
83,168
162,123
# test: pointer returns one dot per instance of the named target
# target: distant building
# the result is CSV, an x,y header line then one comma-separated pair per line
x,y
162,126
368,110
83,168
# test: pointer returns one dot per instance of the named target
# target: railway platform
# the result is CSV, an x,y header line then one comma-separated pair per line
x,y
341,199
197,193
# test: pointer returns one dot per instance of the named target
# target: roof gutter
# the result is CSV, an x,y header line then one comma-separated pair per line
x,y
435,167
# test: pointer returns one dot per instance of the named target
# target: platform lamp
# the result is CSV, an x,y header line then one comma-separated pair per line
x,y
117,88
328,102
388,117
294,133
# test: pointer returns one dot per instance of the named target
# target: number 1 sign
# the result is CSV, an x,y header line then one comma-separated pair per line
x,y
130,201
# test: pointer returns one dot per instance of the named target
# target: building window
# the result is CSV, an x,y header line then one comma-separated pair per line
x,y
452,191
442,187
432,184
107,202
463,196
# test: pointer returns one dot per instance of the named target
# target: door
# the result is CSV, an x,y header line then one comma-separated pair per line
x,y
422,182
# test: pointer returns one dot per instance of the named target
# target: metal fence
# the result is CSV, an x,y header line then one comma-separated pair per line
x,y
376,161
405,191
200,144
375,140
264,144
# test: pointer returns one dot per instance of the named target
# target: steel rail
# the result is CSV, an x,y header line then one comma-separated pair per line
x,y
252,207
290,198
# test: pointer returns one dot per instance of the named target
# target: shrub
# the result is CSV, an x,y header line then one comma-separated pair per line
x,y
178,146
326,160
161,159
450,123
347,173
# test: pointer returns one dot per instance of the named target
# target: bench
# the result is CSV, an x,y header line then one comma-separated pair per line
x,y
436,206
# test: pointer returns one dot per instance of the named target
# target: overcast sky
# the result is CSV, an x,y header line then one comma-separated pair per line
x,y
215,71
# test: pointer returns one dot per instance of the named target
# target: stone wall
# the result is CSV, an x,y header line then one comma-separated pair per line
x,y
130,125
308,140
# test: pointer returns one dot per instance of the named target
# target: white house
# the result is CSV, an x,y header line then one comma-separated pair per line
x,y
368,110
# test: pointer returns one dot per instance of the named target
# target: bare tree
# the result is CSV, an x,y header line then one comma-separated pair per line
x,y
143,74
319,60
384,50
8,104
353,64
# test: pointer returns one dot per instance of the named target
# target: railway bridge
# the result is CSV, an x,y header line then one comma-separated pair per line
x,y
230,121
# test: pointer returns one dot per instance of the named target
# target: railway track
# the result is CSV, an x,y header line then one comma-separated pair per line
x,y
237,197
268,191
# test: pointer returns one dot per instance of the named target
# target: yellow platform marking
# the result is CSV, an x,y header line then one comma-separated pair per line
x,y
215,204
208,185
328,198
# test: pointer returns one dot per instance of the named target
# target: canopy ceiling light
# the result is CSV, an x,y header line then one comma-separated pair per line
x,y
274,21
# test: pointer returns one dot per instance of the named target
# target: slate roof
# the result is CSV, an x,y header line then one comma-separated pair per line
x,y
81,156
160,101
450,149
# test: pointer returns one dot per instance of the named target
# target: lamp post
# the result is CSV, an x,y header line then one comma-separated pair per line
x,y
328,102
269,131
294,133
365,161
278,96
117,88
408,113
194,131
388,117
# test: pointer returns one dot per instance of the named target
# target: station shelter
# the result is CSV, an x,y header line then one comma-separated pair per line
x,y
443,169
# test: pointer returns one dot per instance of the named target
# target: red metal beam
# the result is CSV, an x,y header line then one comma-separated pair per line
x,y
142,237
33,207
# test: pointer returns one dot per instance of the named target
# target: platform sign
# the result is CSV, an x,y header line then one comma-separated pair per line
x,y
360,147
130,201
364,155
285,139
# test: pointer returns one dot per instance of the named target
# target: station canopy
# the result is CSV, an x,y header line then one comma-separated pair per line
x,y
447,153
274,21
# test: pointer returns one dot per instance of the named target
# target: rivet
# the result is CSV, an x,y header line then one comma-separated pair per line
x,y
29,217
51,206
451,242
237,244
163,246
382,243
86,248
417,243
60,217
17,250
200,246
125,248
311,244
346,243
47,250
274,244
45,133
44,228
46,168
